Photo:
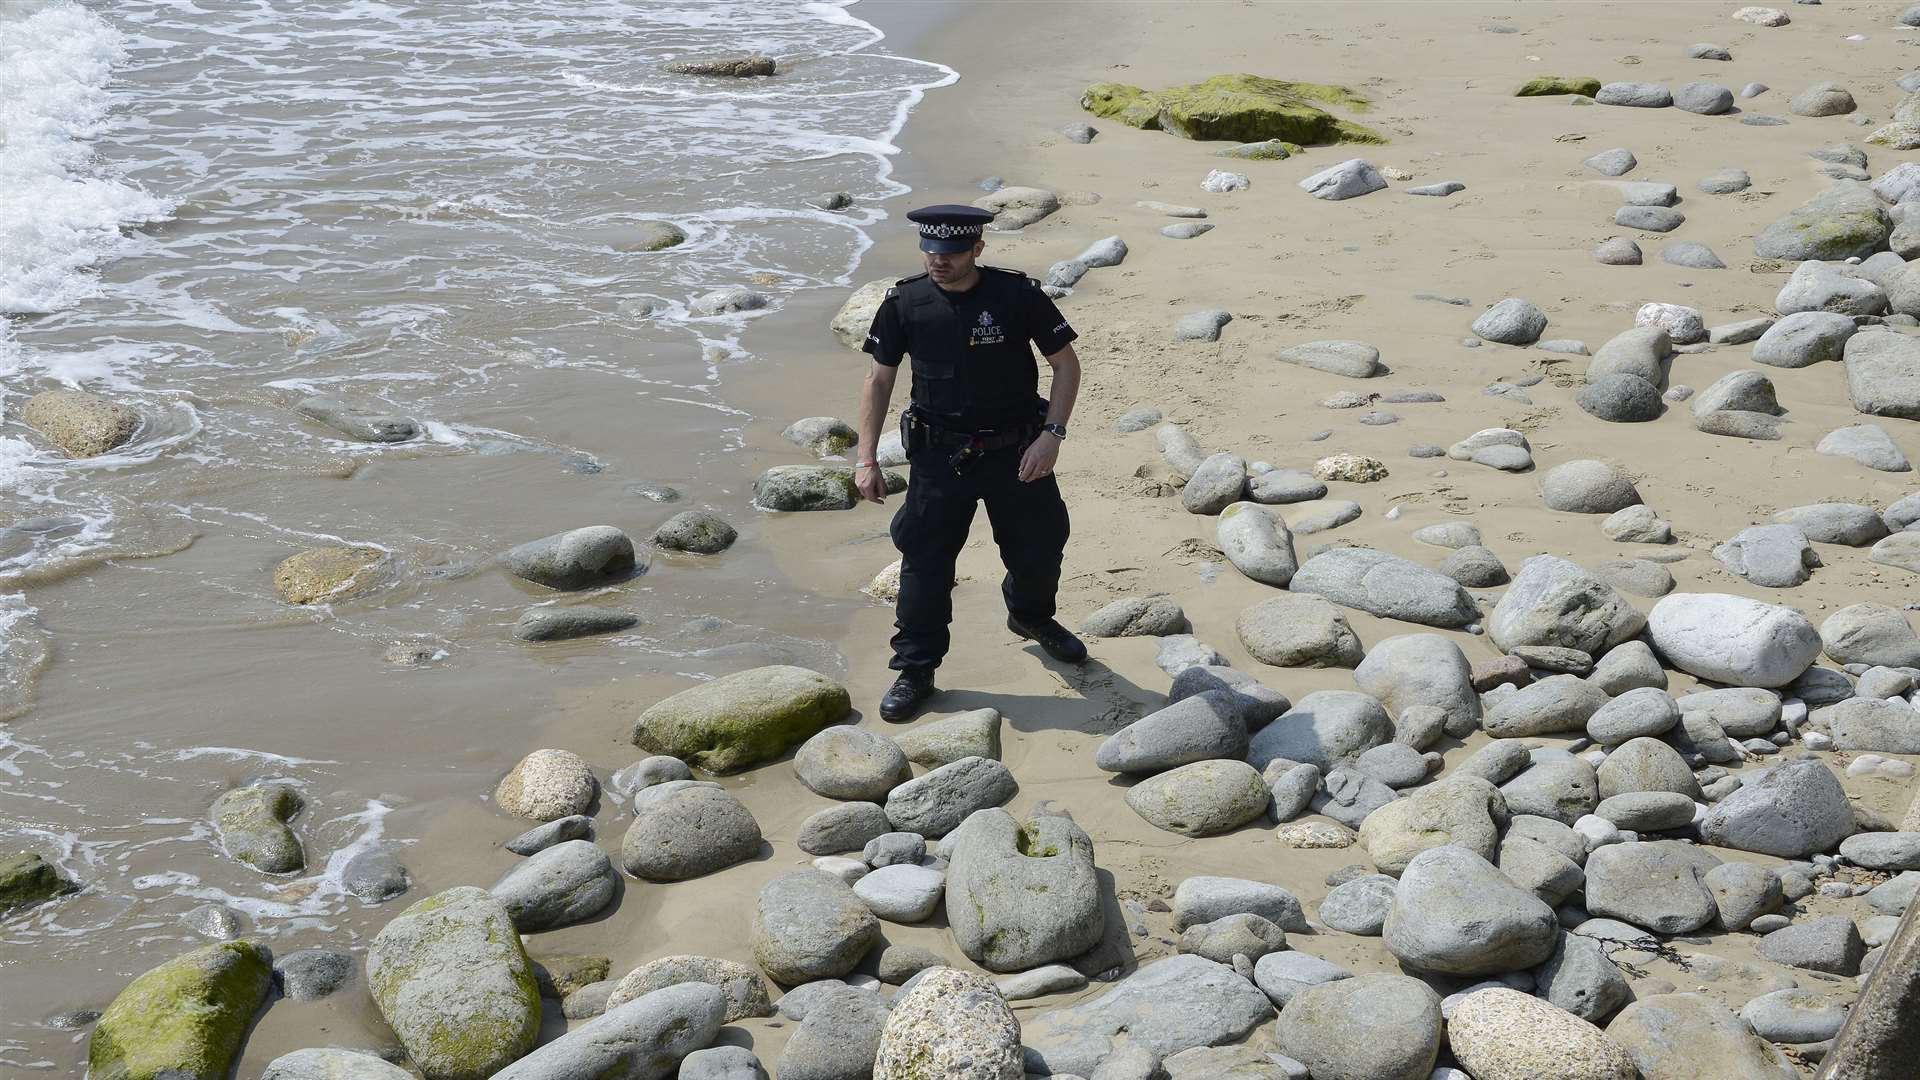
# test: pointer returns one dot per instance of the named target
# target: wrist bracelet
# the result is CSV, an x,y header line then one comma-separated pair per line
x,y
868,465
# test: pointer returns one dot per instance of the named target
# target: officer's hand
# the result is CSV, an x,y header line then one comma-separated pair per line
x,y
872,484
1039,458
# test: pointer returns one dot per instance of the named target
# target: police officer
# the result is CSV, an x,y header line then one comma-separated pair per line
x,y
977,431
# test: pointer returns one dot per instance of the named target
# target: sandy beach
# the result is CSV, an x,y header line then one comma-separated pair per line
x,y
1406,274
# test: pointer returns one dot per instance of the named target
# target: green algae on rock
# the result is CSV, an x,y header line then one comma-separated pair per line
x,y
1264,150
27,879
252,822
1242,108
1557,85
454,983
742,719
183,1020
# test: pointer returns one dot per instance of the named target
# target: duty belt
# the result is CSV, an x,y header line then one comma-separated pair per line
x,y
967,446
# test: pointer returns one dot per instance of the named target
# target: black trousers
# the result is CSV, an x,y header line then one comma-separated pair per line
x,y
1029,523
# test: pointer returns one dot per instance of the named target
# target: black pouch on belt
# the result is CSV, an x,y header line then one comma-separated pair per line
x,y
913,433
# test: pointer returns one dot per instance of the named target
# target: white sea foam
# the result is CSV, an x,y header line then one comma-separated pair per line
x,y
58,218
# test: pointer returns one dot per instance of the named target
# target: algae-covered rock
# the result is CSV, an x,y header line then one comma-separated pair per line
x,y
453,982
80,423
1844,221
27,879
854,320
1556,85
327,573
184,1020
1242,108
813,487
252,822
742,719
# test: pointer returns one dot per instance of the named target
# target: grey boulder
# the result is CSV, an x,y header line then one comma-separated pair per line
x,y
1372,1027
1167,1006
1415,670
935,804
1554,602
1456,914
643,1039
1198,728
1019,896
559,886
1657,885
809,926
1792,811
575,559
1387,586
1512,321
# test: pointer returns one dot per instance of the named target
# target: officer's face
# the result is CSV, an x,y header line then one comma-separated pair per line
x,y
944,268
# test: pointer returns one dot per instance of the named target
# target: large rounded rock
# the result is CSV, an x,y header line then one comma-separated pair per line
x,y
1219,482
1467,812
974,733
547,785
642,1039
1326,728
697,532
1804,338
1208,725
252,823
1646,764
837,1039
1883,374
1371,1027
1582,979
1512,321
331,1064
935,804
186,1018
1023,895
1587,487
1354,359
1658,885
809,926
1733,640
1258,544
1502,1034
1456,914
1387,586
575,559
844,827
1205,898
740,720
1206,798
1291,630
453,982
851,763
685,829
1644,711
1136,616
1556,785
1693,1037
325,574
1166,1006
1881,727
1873,634
1791,811
1554,602
854,320
1422,670
557,887
1558,703
954,1025
1642,352
1844,221
741,987
82,424
1620,399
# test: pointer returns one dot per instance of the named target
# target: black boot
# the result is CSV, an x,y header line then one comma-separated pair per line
x,y
1056,639
910,691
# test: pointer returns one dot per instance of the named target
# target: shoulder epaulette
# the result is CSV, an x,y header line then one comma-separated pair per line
x,y
908,280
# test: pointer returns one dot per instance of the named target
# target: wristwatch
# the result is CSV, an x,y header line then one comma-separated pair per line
x,y
1058,431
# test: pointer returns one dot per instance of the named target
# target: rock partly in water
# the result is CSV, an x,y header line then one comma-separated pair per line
x,y
185,1019
452,980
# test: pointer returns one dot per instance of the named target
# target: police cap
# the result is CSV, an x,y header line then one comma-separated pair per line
x,y
949,228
